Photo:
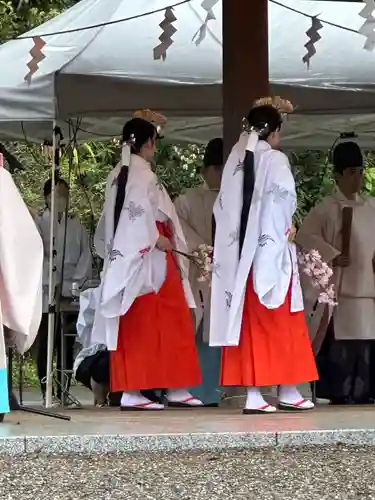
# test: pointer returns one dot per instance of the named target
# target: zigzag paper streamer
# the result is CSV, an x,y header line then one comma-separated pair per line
x,y
368,27
160,51
208,6
37,56
314,37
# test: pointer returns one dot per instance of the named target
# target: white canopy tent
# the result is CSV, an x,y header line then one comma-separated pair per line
x,y
103,74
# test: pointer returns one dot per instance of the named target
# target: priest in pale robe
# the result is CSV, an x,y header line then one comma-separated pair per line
x,y
21,269
72,244
195,211
143,316
343,336
256,304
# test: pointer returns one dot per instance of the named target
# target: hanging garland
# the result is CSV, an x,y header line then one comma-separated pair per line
x,y
313,34
208,6
368,27
160,51
37,56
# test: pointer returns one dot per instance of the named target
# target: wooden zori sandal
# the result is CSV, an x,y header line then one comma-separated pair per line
x,y
303,405
263,410
186,403
149,406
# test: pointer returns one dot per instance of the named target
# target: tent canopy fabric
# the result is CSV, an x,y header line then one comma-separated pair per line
x,y
103,74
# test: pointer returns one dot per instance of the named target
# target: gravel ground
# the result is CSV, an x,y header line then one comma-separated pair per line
x,y
310,474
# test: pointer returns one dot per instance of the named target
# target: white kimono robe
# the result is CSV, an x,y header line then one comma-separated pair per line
x,y
354,316
21,268
88,302
266,249
195,209
133,266
78,261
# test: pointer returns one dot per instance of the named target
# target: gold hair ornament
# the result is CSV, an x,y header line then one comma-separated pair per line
x,y
284,106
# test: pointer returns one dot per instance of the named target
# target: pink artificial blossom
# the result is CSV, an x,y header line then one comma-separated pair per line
x,y
320,274
202,258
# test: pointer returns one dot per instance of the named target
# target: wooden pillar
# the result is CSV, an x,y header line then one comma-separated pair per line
x,y
245,61
245,78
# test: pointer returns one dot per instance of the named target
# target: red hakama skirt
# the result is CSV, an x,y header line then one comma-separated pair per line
x,y
274,347
156,338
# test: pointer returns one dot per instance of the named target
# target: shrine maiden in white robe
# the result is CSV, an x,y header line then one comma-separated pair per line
x,y
266,249
133,266
21,268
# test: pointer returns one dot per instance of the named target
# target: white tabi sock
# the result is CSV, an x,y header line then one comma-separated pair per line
x,y
182,396
289,394
255,401
135,398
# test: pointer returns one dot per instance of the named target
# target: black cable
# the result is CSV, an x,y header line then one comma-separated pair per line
x,y
101,25
177,4
334,25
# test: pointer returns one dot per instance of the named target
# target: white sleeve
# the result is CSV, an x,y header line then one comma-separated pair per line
x,y
272,261
21,265
129,264
84,264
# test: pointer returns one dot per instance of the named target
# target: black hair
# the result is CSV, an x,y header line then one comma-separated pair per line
x,y
213,154
265,118
347,155
142,131
47,189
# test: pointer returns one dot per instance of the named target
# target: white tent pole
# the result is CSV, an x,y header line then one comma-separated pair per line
x,y
52,271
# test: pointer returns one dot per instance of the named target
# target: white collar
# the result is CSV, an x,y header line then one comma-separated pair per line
x,y
357,200
138,162
263,146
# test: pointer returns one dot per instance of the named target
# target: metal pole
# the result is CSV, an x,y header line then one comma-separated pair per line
x,y
52,265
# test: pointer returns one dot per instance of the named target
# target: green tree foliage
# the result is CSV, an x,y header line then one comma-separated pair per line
x,y
19,16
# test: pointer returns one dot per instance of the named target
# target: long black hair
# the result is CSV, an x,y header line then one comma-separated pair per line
x,y
268,119
141,131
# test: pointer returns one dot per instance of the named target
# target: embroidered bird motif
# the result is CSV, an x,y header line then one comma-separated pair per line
x,y
234,237
278,193
114,254
239,167
134,211
228,299
264,239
